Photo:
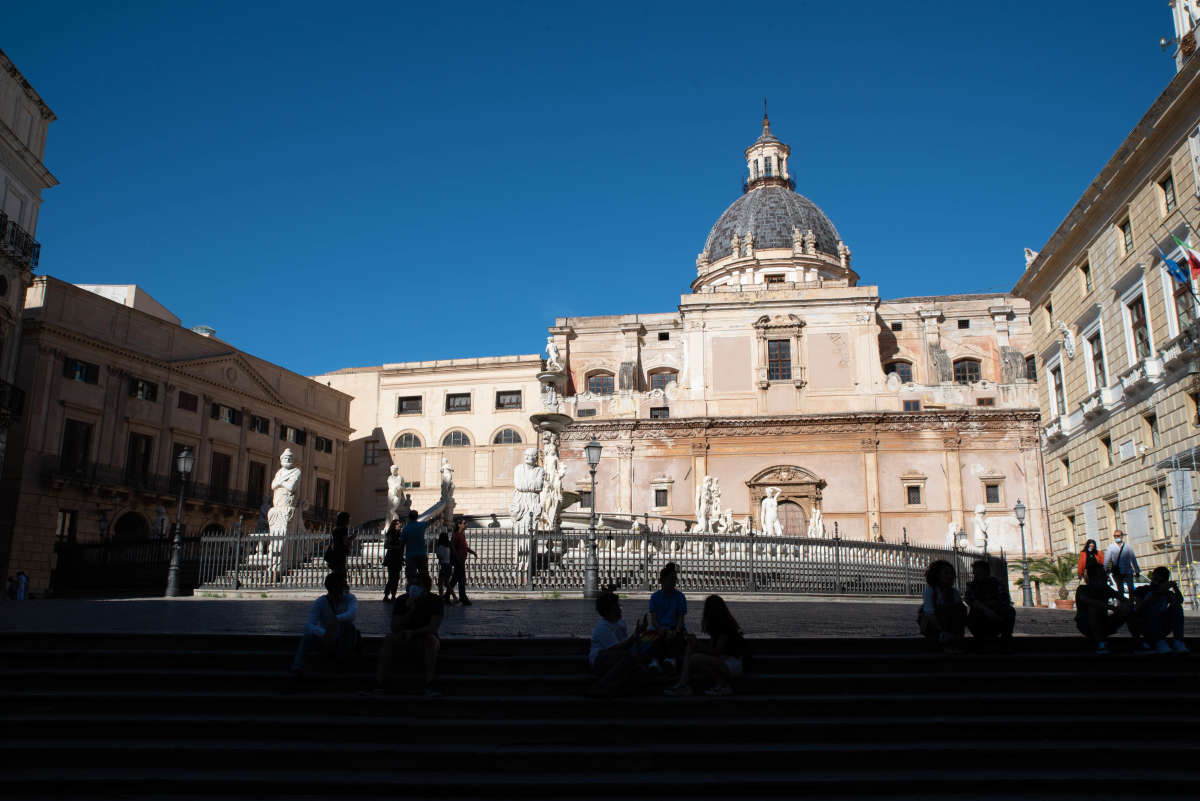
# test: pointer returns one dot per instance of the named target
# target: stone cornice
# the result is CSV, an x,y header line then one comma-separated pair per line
x,y
946,422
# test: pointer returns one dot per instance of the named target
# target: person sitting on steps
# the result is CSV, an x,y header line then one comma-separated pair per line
x,y
668,610
1158,608
1100,611
990,611
416,618
712,666
942,616
612,656
329,632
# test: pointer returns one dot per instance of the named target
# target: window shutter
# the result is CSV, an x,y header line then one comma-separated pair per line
x,y
68,368
301,437
216,411
132,387
283,432
93,374
237,418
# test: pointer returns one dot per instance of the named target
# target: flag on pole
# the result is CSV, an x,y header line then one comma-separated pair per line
x,y
1175,270
1193,257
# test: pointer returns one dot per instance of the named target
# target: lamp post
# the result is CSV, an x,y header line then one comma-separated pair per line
x,y
184,463
1026,590
591,573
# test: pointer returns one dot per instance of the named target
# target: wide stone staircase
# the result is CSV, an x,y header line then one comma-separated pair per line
x,y
204,716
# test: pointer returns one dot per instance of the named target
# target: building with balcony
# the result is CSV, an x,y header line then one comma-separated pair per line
x,y
24,120
115,388
778,368
1116,338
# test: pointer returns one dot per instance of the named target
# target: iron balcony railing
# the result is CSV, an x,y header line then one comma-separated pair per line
x,y
18,243
554,561
12,400
56,469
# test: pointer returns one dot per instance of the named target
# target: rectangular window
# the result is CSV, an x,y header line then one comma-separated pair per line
x,y
897,326
985,401
1049,316
660,379
1066,470
1106,452
1194,408
1127,236
458,402
660,499
775,278
1167,187
143,390
1056,381
1096,351
1164,508
66,529
137,457
967,371
188,402
601,384
1085,272
321,499
76,446
769,166
256,483
409,404
659,412
371,450
779,360
260,425
79,370
296,436
1031,368
226,414
585,499
218,476
585,412
1114,512
1151,421
912,406
323,444
664,336
913,495
962,324
509,399
991,493
1138,327
1185,306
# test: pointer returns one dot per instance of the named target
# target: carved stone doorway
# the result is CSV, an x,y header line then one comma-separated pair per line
x,y
799,492
793,519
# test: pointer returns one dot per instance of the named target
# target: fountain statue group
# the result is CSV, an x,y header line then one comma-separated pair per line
x,y
538,489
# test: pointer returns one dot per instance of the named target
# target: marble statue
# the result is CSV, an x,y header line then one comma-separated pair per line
x,y
552,492
447,478
952,538
1030,255
708,505
549,397
526,506
810,242
284,516
1068,340
816,523
395,495
554,360
981,526
768,513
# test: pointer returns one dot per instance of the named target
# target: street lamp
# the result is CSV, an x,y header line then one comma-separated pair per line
x,y
875,532
184,463
591,576
1026,590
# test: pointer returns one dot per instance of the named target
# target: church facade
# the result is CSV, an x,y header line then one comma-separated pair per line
x,y
895,418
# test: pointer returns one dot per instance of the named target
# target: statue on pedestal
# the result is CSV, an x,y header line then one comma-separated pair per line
x,y
554,360
397,506
552,493
816,523
283,517
707,505
981,527
768,513
526,506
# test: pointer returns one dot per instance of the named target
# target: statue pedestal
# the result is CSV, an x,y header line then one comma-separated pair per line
x,y
550,421
554,384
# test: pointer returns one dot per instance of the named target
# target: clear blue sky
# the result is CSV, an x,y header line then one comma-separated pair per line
x,y
346,184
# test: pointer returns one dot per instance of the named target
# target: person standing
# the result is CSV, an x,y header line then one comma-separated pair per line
x,y
339,547
393,559
1090,552
1121,563
416,551
459,549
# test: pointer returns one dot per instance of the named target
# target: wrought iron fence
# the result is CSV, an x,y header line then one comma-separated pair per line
x,y
555,560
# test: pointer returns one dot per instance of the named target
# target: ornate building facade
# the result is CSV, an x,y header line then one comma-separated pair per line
x,y
896,419
1116,336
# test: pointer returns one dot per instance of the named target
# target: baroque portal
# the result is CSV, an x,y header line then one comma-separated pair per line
x,y
799,493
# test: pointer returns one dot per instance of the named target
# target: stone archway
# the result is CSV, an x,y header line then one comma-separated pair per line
x,y
799,492
131,527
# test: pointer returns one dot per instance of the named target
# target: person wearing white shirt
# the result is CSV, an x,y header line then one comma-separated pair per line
x,y
329,631
611,654
1121,563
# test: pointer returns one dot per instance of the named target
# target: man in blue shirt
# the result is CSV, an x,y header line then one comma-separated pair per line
x,y
329,631
416,552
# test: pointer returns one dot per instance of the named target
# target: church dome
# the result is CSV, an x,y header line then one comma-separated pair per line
x,y
771,213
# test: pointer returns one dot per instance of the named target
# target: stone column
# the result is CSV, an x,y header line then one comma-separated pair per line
x,y
870,447
933,340
1000,315
699,469
951,443
625,480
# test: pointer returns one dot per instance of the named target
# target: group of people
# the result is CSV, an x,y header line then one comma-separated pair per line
x,y
1153,612
661,645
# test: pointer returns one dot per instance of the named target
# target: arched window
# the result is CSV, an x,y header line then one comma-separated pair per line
x,y
507,436
456,439
601,384
660,378
967,371
408,440
903,370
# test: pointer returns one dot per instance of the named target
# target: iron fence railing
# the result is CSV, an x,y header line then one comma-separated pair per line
x,y
555,561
